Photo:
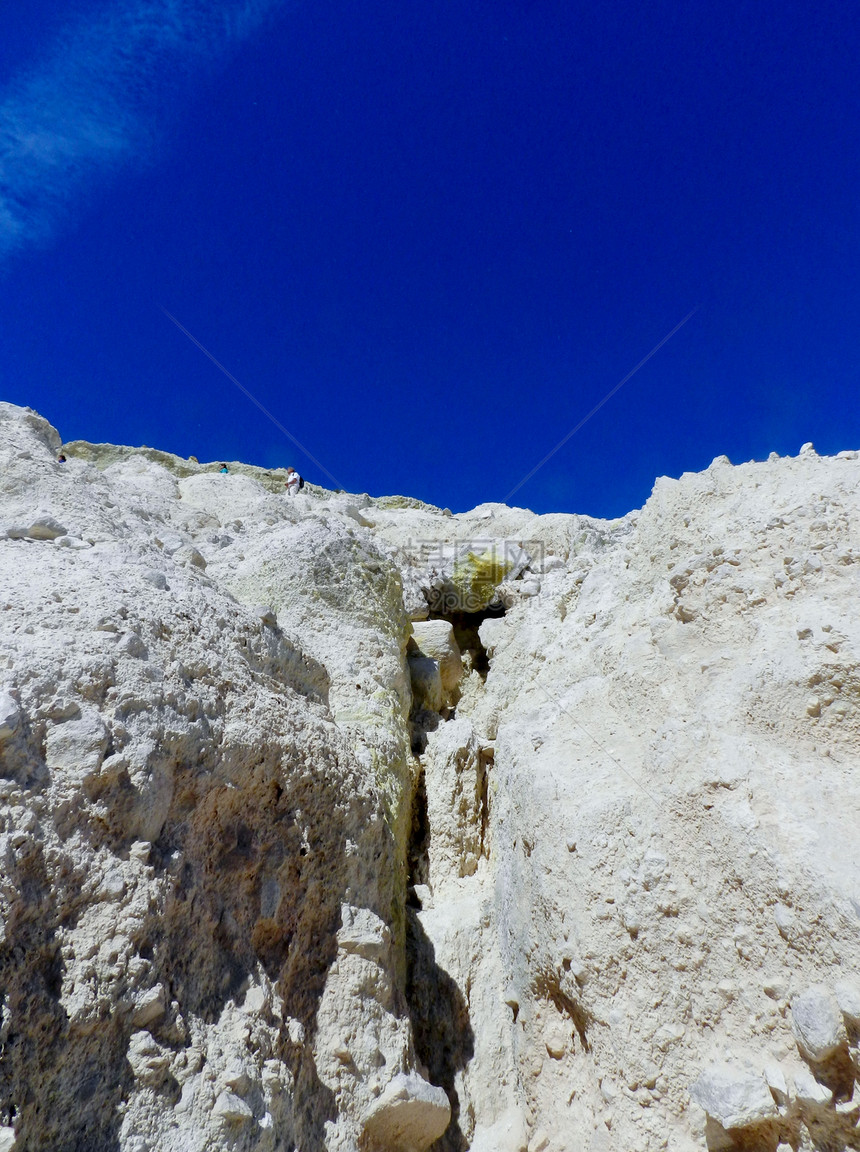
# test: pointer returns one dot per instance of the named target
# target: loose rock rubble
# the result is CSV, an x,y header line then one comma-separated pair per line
x,y
339,823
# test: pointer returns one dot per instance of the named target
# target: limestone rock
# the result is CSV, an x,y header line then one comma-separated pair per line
x,y
777,1083
435,638
9,716
149,1007
408,1116
232,1108
733,1096
817,1022
45,527
847,996
809,1091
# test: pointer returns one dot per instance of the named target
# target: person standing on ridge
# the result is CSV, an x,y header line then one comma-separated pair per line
x,y
224,470
293,481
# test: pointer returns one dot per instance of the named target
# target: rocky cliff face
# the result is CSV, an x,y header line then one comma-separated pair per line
x,y
330,823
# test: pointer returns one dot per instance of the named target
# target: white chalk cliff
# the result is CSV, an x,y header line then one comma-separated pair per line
x,y
338,823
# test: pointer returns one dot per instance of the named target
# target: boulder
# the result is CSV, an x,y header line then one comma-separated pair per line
x,y
817,1022
733,1096
776,1081
809,1091
232,1109
847,997
45,528
150,1005
435,638
408,1116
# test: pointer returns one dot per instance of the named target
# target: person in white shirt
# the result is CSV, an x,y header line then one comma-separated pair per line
x,y
292,481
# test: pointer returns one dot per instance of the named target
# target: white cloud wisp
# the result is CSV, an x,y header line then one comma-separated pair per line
x,y
91,108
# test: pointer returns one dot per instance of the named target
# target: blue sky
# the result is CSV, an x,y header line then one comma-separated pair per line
x,y
430,237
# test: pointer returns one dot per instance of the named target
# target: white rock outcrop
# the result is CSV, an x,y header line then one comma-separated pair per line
x,y
333,823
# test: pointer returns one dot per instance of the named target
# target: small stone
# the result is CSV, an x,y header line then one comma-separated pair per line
x,y
73,542
785,921
295,1031
848,999
733,1096
354,514
255,1000
191,558
132,645
9,717
113,886
150,1006
45,528
776,988
140,849
808,449
817,1022
608,1090
776,1081
155,578
669,1034
630,919
232,1108
650,1073
809,1091
363,933
556,1043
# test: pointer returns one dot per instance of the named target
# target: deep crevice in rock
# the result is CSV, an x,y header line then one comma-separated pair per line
x,y
419,841
444,1041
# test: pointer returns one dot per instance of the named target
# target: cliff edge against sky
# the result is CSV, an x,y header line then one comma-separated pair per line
x,y
334,823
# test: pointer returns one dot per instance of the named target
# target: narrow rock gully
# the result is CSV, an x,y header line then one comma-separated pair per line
x,y
449,839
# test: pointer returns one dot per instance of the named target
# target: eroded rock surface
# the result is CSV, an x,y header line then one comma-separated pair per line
x,y
331,823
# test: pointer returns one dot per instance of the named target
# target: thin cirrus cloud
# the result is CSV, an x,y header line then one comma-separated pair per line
x,y
90,107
